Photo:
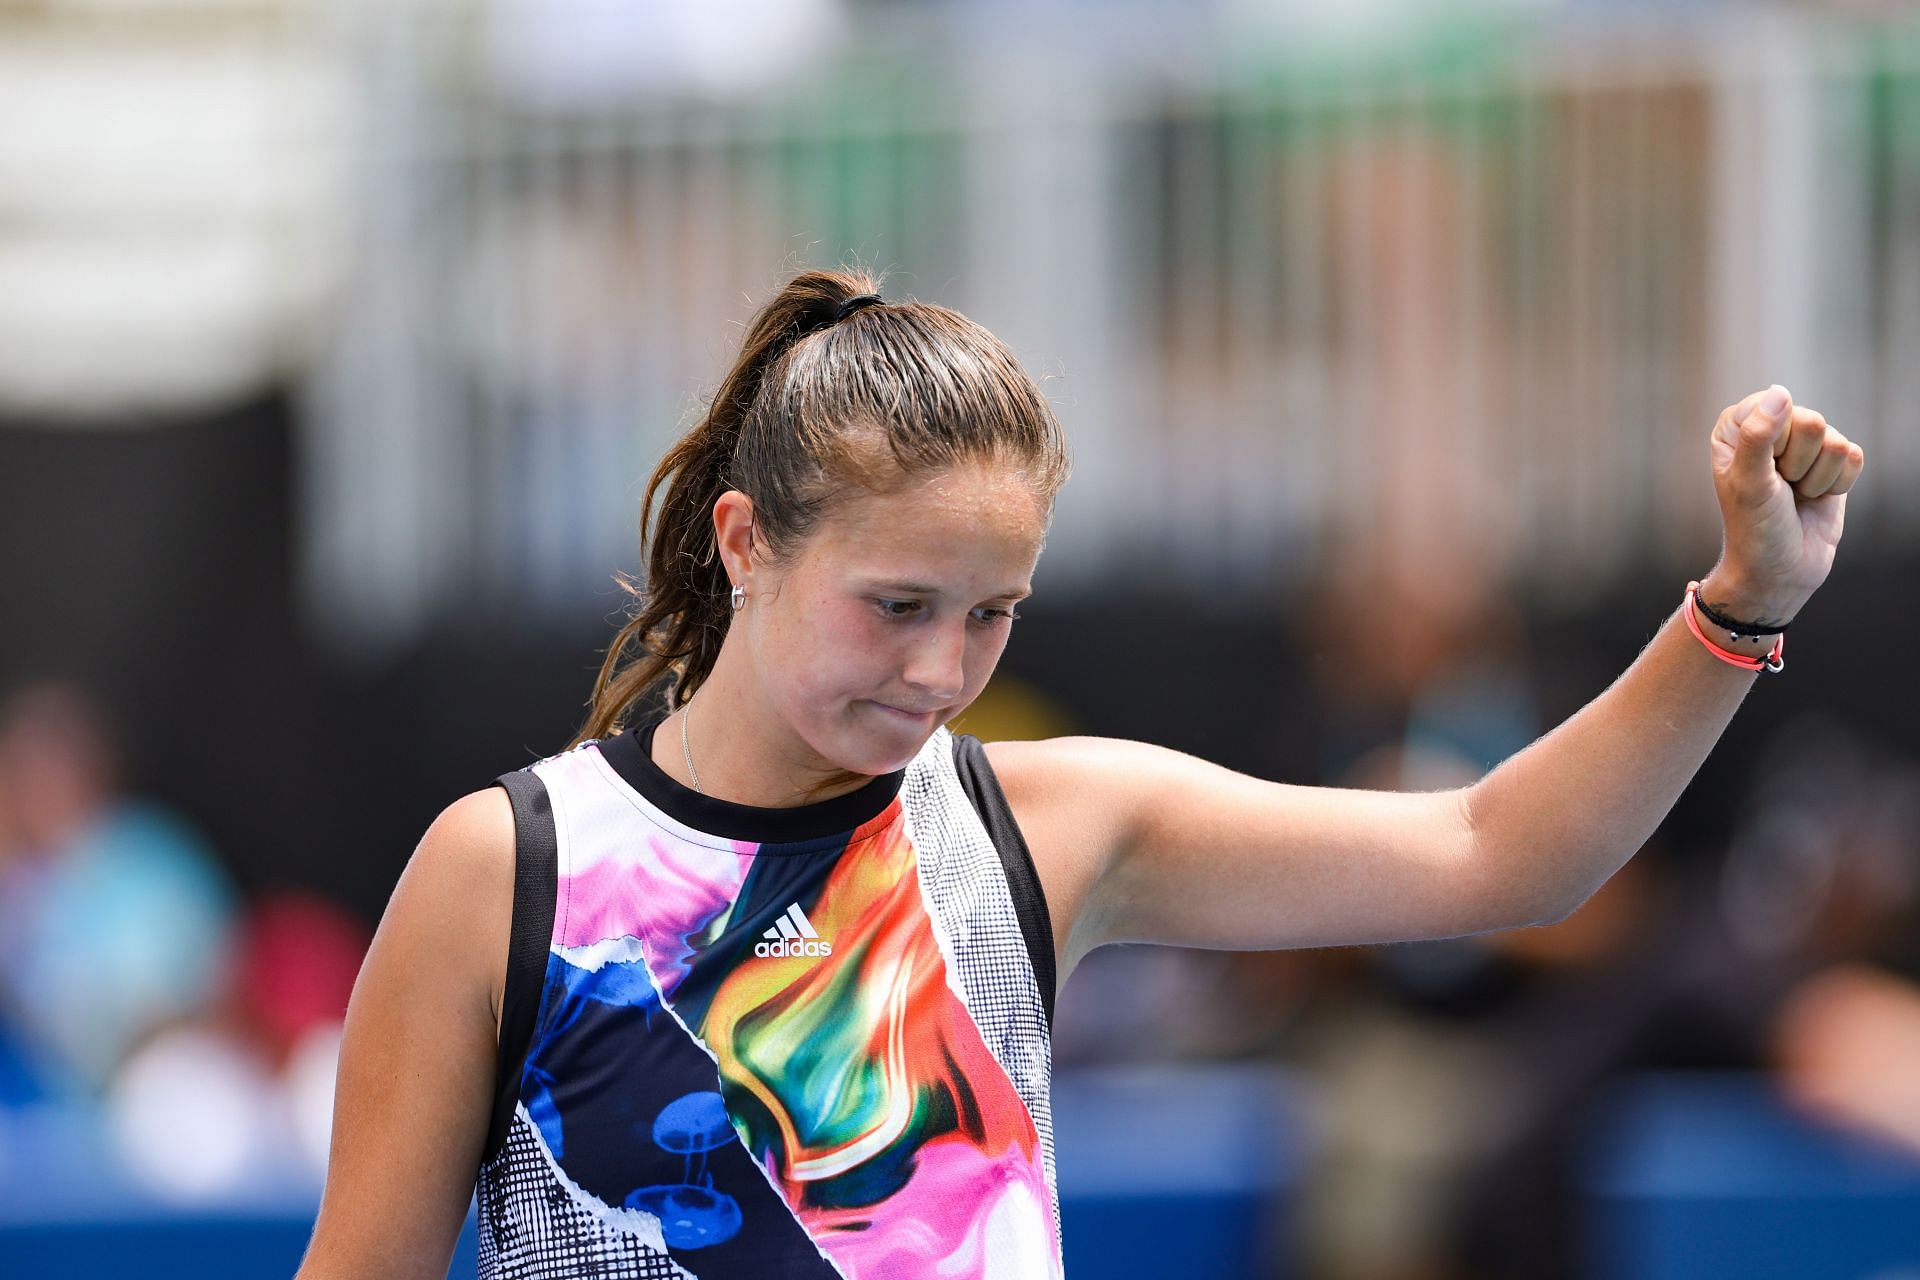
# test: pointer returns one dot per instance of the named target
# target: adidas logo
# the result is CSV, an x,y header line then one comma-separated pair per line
x,y
793,935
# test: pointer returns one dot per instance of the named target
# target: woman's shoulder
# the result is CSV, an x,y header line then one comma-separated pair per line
x,y
1078,771
1086,782
1073,799
471,840
464,867
483,817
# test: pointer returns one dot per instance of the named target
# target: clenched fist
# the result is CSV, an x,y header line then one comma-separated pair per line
x,y
1782,476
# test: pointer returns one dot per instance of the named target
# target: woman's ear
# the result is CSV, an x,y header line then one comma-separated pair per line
x,y
733,533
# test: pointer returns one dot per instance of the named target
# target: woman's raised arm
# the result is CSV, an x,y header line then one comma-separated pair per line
x,y
1191,853
416,1075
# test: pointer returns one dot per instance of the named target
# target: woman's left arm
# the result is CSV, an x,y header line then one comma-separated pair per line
x,y
1204,856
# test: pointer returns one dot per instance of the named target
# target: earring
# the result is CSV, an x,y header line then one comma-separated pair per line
x,y
739,597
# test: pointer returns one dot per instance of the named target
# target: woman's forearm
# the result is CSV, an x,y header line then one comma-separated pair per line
x,y
1560,817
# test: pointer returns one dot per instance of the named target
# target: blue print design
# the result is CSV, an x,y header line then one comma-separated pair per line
x,y
692,1214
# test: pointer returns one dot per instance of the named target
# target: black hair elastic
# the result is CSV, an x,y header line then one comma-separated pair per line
x,y
1738,628
853,304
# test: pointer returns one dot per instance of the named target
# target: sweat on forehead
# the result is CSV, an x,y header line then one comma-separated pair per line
x,y
954,517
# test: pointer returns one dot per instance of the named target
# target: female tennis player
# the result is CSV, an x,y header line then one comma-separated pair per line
x,y
758,984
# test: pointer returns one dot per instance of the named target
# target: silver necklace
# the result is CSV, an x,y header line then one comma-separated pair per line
x,y
685,751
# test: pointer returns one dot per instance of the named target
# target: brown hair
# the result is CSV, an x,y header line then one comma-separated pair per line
x,y
801,417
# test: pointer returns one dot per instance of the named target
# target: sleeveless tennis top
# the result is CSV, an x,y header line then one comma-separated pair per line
x,y
742,1043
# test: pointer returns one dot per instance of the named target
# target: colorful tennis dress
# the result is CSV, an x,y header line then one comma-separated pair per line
x,y
743,1043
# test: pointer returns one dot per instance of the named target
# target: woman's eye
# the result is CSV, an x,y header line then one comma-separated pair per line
x,y
898,609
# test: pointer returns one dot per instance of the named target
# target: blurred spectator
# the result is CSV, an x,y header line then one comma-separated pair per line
x,y
296,963
239,1095
132,977
296,960
1846,1038
1794,953
196,1116
114,916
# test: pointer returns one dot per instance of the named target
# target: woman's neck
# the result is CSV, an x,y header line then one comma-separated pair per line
x,y
745,754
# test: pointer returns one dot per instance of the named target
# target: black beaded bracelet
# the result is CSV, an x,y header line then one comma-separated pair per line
x,y
1734,627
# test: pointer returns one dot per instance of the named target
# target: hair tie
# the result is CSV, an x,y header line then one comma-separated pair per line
x,y
1771,662
1738,628
853,304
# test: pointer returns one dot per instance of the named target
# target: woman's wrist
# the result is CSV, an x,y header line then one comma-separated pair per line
x,y
1727,595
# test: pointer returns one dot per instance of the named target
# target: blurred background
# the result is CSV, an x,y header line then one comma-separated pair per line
x,y
338,339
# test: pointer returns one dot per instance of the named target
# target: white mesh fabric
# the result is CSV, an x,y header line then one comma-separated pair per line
x,y
972,909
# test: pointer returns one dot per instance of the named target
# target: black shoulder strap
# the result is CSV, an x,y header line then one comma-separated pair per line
x,y
535,876
1029,902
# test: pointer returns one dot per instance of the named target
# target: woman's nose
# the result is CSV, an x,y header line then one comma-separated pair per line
x,y
939,662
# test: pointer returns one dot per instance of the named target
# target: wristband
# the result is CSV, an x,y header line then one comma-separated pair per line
x,y
1738,629
1772,663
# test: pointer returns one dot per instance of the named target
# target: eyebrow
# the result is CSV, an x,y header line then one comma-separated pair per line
x,y
921,589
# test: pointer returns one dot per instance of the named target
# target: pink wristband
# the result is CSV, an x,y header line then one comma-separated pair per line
x,y
1772,663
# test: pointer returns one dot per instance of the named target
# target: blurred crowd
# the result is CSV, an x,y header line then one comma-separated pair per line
x,y
199,1024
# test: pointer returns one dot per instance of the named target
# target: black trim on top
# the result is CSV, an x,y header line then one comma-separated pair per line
x,y
631,755
1023,880
536,873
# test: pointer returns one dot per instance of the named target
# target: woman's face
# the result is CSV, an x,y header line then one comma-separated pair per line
x,y
893,617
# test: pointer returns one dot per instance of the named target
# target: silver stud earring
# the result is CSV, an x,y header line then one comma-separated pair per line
x,y
739,597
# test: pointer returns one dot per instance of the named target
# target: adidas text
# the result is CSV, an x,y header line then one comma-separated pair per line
x,y
794,947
